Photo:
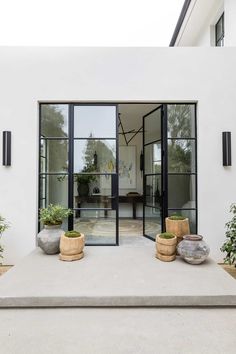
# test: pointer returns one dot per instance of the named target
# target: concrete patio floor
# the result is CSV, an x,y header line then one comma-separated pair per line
x,y
128,275
118,331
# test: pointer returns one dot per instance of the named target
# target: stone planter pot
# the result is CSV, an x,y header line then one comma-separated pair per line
x,y
193,249
178,227
83,189
166,248
71,248
49,239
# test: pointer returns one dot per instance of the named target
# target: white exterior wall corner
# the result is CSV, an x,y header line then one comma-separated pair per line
x,y
30,75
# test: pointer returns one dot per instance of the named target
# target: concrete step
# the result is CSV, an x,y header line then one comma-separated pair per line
x,y
117,277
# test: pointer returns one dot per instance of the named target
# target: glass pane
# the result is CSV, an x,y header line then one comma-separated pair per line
x,y
152,158
219,29
97,227
54,189
92,191
153,191
54,156
181,156
54,120
152,126
181,120
152,222
95,156
191,214
181,191
95,121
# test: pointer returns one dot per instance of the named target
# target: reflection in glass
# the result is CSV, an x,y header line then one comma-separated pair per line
x,y
181,156
84,151
152,127
54,120
54,189
95,121
153,191
181,120
152,222
190,214
181,191
152,158
54,156
97,227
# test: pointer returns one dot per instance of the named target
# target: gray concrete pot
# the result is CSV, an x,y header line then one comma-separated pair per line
x,y
49,239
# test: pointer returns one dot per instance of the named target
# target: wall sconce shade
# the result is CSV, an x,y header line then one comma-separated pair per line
x,y
6,148
141,161
226,147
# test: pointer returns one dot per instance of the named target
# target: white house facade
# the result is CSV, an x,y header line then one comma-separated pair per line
x,y
134,82
202,23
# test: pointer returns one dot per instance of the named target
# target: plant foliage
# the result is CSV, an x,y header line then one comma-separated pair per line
x,y
166,235
229,246
54,214
72,234
177,217
3,226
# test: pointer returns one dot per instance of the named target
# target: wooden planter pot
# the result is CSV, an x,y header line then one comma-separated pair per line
x,y
179,228
166,248
71,248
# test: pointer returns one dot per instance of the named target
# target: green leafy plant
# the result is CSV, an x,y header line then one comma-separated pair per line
x,y
3,226
85,179
72,234
54,214
229,246
177,217
166,235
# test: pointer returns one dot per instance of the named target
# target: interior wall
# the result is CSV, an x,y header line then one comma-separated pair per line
x,y
30,75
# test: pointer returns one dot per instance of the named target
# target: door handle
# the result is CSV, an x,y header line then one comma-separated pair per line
x,y
114,191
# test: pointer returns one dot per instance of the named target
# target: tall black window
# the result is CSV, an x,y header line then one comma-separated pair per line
x,y
53,155
182,162
220,32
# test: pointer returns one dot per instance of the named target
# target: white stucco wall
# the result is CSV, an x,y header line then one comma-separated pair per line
x,y
230,23
29,75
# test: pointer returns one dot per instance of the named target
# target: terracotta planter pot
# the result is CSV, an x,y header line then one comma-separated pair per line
x,y
179,228
71,248
166,248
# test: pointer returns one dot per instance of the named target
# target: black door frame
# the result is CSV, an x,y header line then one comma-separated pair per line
x,y
164,190
71,105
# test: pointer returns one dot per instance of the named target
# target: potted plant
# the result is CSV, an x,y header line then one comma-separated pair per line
x,y
52,218
178,225
83,180
71,246
3,226
229,246
166,246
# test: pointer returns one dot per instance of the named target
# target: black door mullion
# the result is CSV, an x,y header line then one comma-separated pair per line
x,y
71,165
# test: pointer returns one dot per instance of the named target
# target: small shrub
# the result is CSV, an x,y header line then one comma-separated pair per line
x,y
54,214
3,226
176,217
167,235
229,246
72,233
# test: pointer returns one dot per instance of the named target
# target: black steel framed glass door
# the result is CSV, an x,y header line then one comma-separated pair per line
x,y
153,172
170,166
94,177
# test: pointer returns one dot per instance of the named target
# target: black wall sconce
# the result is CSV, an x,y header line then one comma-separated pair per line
x,y
6,148
141,161
226,147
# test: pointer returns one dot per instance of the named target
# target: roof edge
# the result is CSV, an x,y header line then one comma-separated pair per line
x,y
180,22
